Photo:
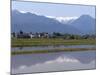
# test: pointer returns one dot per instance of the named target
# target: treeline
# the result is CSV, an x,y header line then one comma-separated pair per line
x,y
73,36
22,34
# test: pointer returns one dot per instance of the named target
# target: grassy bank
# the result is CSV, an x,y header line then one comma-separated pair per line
x,y
53,41
51,51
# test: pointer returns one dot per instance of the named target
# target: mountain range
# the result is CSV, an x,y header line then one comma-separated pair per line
x,y
30,22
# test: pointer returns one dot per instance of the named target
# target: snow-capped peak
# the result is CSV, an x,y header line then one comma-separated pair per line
x,y
23,11
63,19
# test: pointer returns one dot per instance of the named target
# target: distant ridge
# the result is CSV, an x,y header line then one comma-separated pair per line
x,y
29,22
86,24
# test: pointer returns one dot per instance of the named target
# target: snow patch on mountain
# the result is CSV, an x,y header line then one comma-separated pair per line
x,y
63,19
23,11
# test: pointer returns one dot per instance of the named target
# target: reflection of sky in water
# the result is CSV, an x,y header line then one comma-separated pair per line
x,y
53,62
51,47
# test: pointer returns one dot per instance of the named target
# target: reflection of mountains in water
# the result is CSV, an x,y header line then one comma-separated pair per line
x,y
30,22
53,62
84,57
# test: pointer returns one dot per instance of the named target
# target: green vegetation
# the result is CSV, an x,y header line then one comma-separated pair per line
x,y
21,42
51,51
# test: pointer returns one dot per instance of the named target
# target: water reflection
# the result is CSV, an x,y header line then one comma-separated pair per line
x,y
53,61
20,48
51,47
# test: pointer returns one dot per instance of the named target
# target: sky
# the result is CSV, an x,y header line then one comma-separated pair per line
x,y
51,9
